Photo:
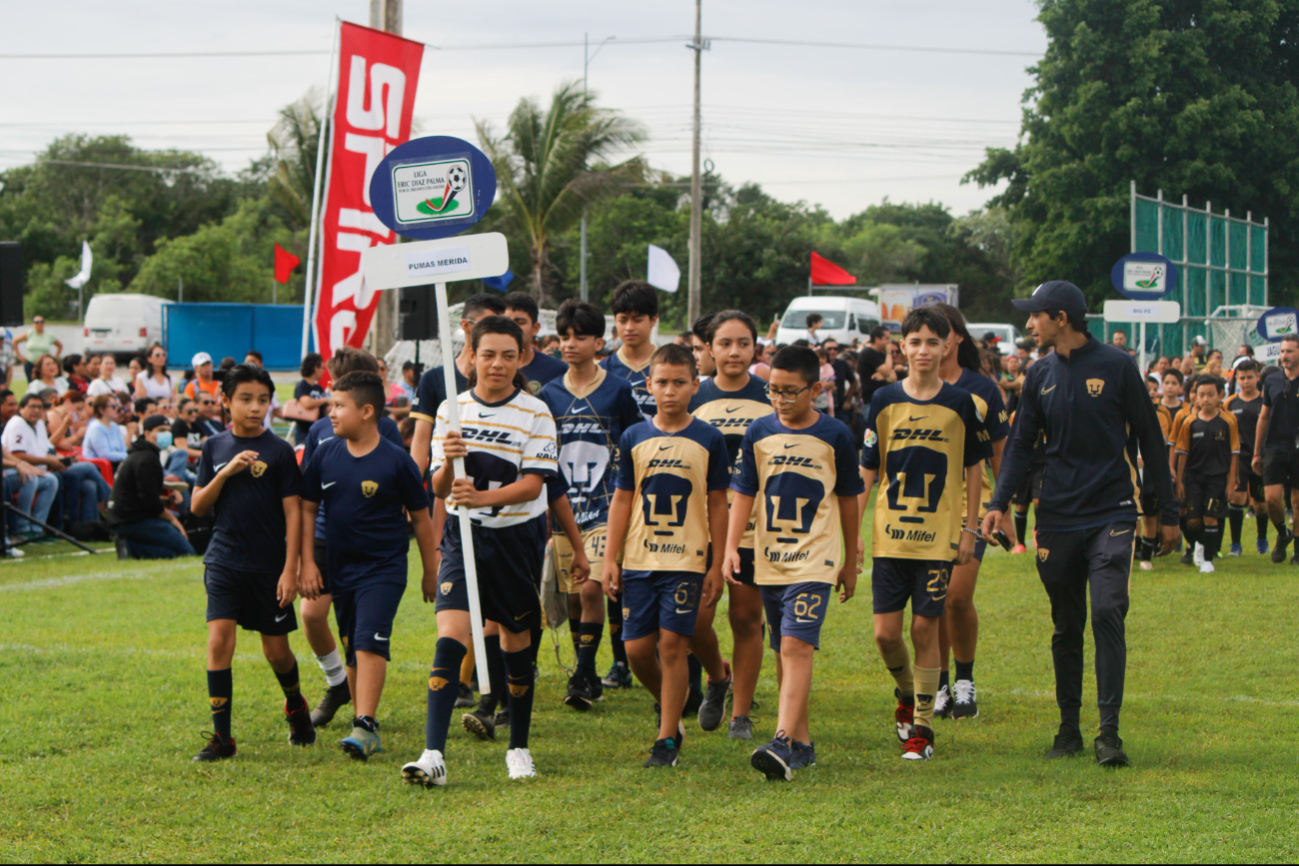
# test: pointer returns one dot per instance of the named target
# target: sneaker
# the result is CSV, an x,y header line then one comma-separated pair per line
x,y
773,760
1067,744
943,703
804,756
519,764
1188,558
361,743
1206,568
430,770
694,700
663,753
120,545
335,698
1235,550
920,747
713,707
1198,556
218,748
18,553
579,693
1019,548
1278,552
619,677
481,725
1147,565
740,728
1109,751
596,686
301,731
966,705
465,697
1261,546
681,726
905,716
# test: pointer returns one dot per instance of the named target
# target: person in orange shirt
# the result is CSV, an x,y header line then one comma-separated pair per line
x,y
202,380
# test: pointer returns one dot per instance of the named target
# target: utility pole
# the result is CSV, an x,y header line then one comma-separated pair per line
x,y
385,15
696,185
586,65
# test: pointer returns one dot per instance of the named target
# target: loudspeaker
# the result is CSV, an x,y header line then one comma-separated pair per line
x,y
11,284
417,314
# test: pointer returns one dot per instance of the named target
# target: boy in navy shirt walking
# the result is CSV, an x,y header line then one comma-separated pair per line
x,y
250,478
366,484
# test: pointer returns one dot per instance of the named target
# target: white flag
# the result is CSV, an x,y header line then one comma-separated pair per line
x,y
80,279
663,272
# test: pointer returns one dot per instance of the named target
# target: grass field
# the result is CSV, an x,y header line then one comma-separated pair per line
x,y
102,698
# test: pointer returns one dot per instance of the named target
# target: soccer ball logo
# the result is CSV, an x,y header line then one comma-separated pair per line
x,y
457,178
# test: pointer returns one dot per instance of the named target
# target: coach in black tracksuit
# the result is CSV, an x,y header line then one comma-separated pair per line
x,y
1089,400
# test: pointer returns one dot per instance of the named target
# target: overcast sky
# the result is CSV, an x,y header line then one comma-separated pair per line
x,y
836,126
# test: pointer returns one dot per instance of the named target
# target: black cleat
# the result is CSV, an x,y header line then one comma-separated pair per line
x,y
966,705
1066,745
596,686
301,731
503,718
465,698
218,748
663,753
619,677
1188,558
481,725
1109,751
336,697
579,693
1278,552
712,709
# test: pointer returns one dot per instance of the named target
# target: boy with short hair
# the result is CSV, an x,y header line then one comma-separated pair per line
x,y
538,368
670,501
925,434
802,462
366,484
250,477
592,409
1207,449
1245,404
635,314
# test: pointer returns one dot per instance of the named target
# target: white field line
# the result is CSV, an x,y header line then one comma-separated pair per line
x,y
160,570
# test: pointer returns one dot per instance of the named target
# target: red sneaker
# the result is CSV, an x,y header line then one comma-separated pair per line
x,y
920,747
905,716
1019,548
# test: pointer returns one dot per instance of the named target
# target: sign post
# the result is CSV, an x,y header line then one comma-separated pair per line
x,y
433,189
1146,278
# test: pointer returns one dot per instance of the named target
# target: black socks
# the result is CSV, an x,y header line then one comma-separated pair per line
x,y
489,701
443,688
965,671
293,699
220,690
1021,526
1260,520
518,667
614,611
1211,538
588,645
1235,517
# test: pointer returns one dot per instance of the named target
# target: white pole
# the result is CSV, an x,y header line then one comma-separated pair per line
x,y
1143,349
458,467
308,299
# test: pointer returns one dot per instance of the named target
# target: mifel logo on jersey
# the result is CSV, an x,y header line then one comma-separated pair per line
x,y
1095,386
369,488
258,469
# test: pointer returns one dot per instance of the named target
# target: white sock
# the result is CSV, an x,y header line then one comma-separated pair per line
x,y
332,665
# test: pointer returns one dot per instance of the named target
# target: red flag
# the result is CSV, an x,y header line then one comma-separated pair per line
x,y
376,98
285,262
827,273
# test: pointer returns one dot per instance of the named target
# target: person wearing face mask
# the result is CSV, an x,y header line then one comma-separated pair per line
x,y
137,512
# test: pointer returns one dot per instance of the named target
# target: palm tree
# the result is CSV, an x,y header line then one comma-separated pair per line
x,y
293,141
552,164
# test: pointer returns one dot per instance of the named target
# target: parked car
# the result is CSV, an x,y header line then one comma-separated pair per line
x,y
842,318
124,324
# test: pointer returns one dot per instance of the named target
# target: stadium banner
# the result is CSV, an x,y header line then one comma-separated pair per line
x,y
377,77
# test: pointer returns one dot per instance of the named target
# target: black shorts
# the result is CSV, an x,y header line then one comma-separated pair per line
x,y
365,613
508,560
1280,467
322,564
1248,482
1206,496
922,581
1031,487
248,598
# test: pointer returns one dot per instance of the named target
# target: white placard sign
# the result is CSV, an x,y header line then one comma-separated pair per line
x,y
463,257
431,263
1154,312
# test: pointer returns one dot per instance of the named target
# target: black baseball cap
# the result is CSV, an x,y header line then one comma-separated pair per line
x,y
1055,295
153,422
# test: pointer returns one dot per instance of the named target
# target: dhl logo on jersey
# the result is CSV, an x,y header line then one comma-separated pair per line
x,y
905,434
479,434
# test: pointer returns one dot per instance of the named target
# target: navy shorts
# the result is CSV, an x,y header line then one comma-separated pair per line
x,y
365,613
248,598
796,610
921,581
746,566
322,563
653,600
508,564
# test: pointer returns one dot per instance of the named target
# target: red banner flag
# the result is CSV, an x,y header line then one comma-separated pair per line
x,y
378,73
285,262
827,273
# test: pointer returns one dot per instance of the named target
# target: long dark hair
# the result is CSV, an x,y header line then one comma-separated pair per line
x,y
967,351
496,325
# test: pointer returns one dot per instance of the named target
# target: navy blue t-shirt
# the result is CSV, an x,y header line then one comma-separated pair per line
x,y
541,372
431,391
315,391
322,431
365,500
250,526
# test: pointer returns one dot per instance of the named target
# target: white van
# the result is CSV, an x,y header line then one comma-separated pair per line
x,y
124,324
842,318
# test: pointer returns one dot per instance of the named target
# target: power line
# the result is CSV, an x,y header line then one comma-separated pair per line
x,y
994,52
